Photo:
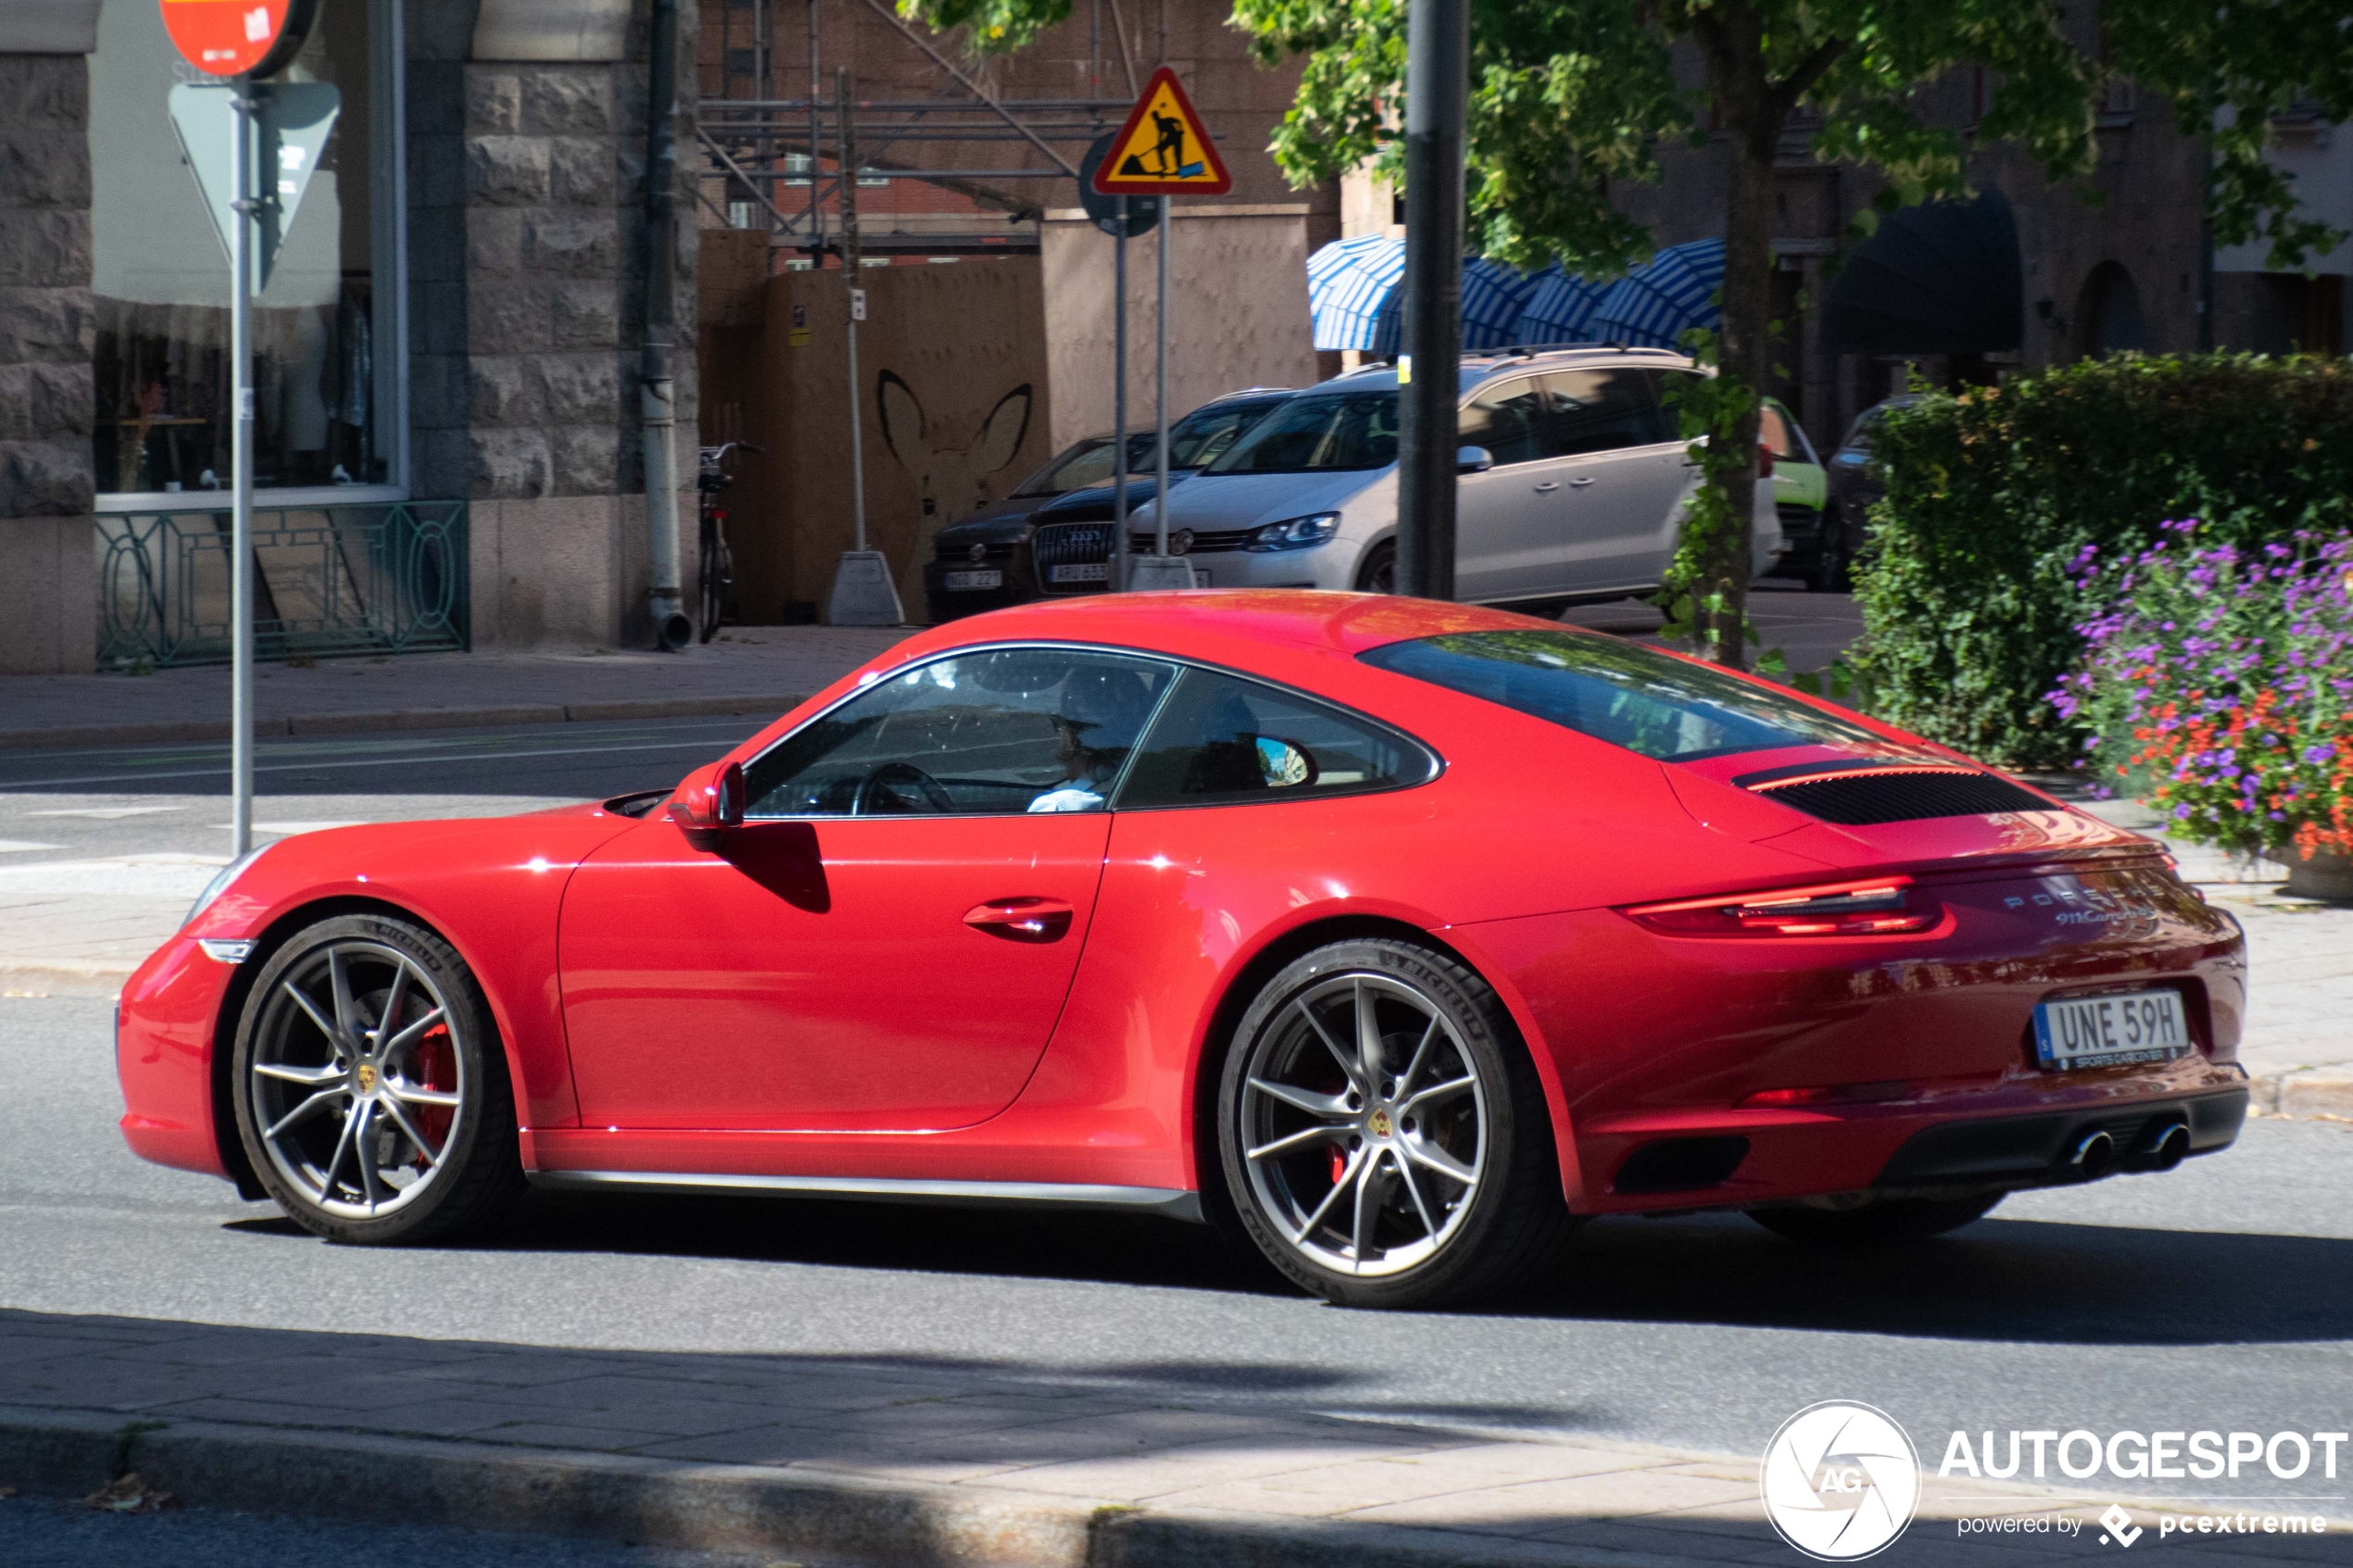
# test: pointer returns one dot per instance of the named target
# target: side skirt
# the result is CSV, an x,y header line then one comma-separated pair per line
x,y
1170,1202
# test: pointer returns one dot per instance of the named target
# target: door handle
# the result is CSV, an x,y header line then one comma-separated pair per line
x,y
1548,487
1020,920
1581,481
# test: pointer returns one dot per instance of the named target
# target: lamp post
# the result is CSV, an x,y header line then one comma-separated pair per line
x,y
1437,89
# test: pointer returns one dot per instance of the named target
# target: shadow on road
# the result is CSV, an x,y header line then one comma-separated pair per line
x,y
1998,1280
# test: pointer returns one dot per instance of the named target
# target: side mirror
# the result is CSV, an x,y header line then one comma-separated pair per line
x,y
708,800
1473,459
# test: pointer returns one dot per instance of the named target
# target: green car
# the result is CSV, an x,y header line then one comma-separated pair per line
x,y
1802,494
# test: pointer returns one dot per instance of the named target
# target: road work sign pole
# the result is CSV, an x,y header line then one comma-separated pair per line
x,y
1162,151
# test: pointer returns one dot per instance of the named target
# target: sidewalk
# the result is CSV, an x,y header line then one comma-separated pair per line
x,y
746,670
891,1462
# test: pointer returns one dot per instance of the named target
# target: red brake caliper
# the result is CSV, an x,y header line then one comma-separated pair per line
x,y
436,1069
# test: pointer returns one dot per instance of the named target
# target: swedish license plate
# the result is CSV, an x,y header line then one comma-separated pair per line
x,y
962,580
1201,577
2110,1031
1085,571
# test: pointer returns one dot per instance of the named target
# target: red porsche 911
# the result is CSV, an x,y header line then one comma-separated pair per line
x,y
1394,935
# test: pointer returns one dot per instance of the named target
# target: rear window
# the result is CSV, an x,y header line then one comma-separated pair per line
x,y
1621,693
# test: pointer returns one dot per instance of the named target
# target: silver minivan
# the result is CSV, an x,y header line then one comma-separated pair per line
x,y
1572,484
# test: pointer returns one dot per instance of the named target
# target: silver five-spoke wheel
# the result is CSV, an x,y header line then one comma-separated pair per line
x,y
1382,1133
1362,1118
355,1079
372,1099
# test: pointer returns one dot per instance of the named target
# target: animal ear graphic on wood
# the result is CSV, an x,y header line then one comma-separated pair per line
x,y
953,481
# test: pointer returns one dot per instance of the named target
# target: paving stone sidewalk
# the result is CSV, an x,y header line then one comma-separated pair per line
x,y
942,1443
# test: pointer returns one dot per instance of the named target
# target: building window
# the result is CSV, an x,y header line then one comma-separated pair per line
x,y
327,334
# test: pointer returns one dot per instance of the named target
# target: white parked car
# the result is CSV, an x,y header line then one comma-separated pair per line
x,y
1572,487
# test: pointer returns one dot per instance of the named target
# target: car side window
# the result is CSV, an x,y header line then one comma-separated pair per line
x,y
1220,740
1774,431
996,732
1505,420
1600,410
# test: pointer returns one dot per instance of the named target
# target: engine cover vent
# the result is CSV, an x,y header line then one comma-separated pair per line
x,y
1858,796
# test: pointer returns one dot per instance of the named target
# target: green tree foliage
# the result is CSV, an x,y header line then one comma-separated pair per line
x,y
1572,98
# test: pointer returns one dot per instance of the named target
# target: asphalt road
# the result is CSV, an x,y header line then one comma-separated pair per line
x,y
2220,1296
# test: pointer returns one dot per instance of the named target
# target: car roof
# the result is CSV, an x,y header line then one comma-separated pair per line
x,y
1202,624
1484,366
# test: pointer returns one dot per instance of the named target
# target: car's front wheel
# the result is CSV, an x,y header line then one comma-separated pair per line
x,y
1378,574
371,1094
1383,1134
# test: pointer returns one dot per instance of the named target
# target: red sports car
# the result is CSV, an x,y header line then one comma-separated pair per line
x,y
1394,935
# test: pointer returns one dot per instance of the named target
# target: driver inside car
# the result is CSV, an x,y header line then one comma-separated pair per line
x,y
1102,714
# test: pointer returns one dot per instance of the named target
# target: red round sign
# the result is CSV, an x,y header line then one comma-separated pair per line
x,y
238,37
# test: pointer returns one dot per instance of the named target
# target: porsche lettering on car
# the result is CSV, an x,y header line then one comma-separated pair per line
x,y
1396,936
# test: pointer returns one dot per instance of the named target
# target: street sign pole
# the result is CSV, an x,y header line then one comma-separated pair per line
x,y
1160,400
1119,396
243,205
1437,86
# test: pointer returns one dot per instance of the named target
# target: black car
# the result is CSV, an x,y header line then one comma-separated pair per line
x,y
1855,485
1053,535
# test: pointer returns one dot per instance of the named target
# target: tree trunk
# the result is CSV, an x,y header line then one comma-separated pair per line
x,y
1753,112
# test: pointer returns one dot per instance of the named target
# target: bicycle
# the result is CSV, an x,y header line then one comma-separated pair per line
x,y
717,575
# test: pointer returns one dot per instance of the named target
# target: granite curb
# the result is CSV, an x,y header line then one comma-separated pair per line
x,y
830,1518
403,718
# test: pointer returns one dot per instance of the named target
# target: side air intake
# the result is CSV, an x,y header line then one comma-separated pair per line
x,y
1859,796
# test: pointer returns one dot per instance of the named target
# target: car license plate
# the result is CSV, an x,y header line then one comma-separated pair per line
x,y
1086,572
2125,1026
1201,577
957,580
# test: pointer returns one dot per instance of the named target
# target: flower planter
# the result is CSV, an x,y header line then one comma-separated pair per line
x,y
2327,875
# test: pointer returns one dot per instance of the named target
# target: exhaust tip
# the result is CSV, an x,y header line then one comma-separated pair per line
x,y
2094,1152
2171,1146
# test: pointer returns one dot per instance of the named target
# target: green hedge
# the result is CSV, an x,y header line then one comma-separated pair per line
x,y
1967,606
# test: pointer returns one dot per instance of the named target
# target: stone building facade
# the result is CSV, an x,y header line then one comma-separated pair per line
x,y
460,320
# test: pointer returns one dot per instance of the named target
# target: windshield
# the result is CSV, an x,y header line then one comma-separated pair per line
x,y
1354,431
1622,692
1195,441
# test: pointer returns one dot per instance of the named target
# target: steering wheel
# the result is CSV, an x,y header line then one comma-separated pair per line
x,y
880,787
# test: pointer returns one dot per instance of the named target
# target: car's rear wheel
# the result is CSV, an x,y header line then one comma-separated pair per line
x,y
1885,1223
1383,1133
371,1095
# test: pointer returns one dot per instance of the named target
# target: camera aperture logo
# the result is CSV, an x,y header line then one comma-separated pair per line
x,y
1841,1481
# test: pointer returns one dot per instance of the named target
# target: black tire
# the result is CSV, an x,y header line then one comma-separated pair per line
x,y
460,1148
1896,1222
1378,574
1431,1239
1831,571
718,576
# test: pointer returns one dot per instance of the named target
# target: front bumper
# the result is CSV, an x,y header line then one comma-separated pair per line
x,y
167,1022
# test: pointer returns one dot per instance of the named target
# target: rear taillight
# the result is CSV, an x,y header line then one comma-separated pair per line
x,y
1885,906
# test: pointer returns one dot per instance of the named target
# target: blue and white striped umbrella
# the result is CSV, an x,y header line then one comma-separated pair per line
x,y
1493,296
1356,291
1657,303
1559,307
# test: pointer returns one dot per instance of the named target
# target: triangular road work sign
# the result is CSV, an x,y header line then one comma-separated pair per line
x,y
1162,149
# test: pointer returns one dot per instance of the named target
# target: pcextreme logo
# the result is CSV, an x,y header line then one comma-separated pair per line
x,y
1841,1481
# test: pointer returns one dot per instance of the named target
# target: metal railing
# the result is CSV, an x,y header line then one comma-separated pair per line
x,y
329,582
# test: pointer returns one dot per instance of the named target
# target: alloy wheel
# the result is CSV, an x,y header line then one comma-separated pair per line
x,y
356,1083
1364,1125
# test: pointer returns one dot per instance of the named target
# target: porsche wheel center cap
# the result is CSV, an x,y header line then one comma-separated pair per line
x,y
363,1077
1379,1125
